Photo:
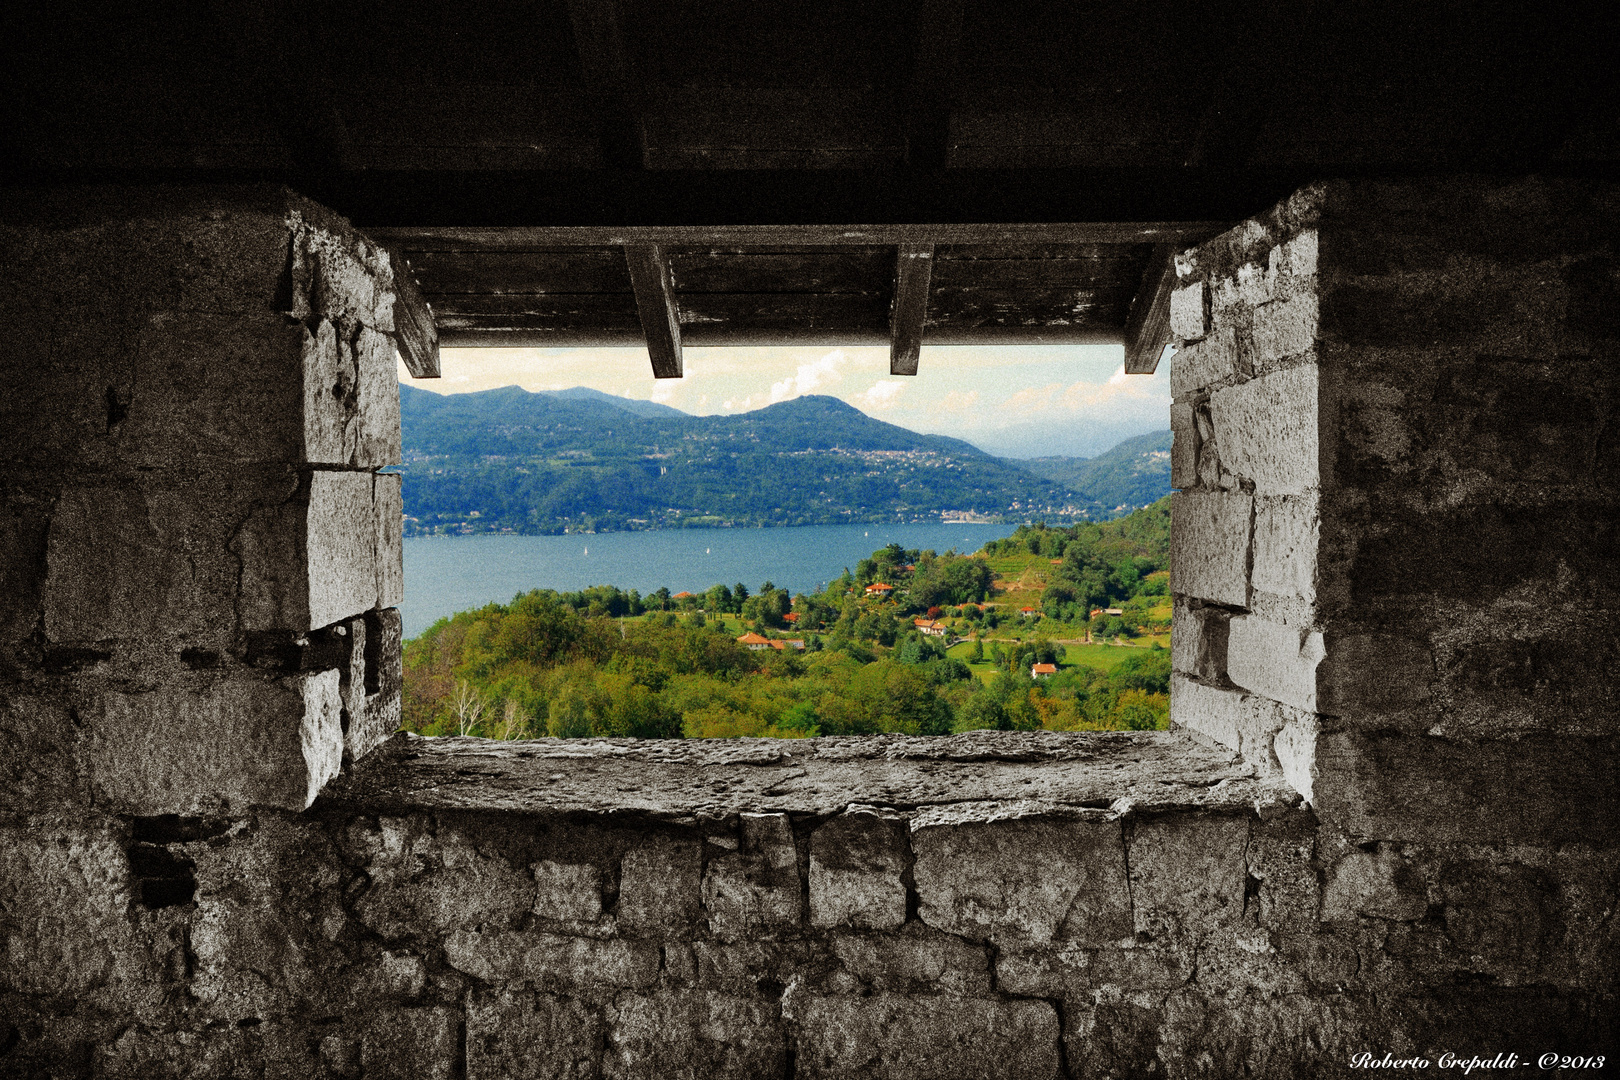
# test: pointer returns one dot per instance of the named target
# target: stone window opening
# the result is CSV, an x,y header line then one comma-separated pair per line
x,y
1393,499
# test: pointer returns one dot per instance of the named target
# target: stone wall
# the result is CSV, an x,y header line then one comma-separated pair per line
x,y
1395,561
1385,823
200,559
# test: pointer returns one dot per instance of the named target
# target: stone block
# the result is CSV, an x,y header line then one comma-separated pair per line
x,y
915,961
856,863
1183,447
1267,429
146,560
756,889
1294,264
207,743
1210,362
1287,535
553,962
1283,329
1022,880
1189,311
1187,874
1295,750
890,1037
519,1036
1274,661
388,507
1239,721
1366,675
38,767
313,559
350,388
1209,546
567,892
383,684
1077,973
693,1035
65,891
1198,640
428,884
409,1044
659,888
1380,883
1533,790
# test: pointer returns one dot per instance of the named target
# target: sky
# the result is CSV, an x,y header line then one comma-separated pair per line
x,y
1011,400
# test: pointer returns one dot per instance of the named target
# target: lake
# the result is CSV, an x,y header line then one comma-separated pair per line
x,y
446,574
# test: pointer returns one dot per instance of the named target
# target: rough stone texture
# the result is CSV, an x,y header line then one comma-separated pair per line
x,y
659,886
755,889
211,745
519,1036
1267,429
1019,881
1210,362
1278,662
1187,875
1189,316
1088,904
1209,546
1183,446
1198,637
856,864
899,1038
1287,534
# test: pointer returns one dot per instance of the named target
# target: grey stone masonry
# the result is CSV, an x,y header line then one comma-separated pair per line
x,y
1069,905
197,535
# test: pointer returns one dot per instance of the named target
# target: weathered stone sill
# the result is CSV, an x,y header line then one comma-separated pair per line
x,y
982,775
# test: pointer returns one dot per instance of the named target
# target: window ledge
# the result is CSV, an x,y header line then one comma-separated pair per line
x,y
981,775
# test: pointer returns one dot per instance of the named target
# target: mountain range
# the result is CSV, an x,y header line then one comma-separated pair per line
x,y
579,460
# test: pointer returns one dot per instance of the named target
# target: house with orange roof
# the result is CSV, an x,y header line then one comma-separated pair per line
x,y
791,617
1029,612
930,627
1036,671
684,596
878,588
754,642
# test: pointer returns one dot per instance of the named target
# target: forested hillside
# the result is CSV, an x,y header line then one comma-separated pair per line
x,y
911,641
1133,474
577,460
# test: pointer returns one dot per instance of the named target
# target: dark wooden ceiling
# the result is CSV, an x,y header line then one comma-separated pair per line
x,y
486,139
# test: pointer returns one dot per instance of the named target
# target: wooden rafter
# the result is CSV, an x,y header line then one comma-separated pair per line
x,y
913,270
1147,329
414,333
451,238
655,303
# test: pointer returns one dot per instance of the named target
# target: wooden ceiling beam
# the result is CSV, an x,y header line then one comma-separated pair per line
x,y
519,239
415,334
928,112
1147,328
655,303
914,266
609,76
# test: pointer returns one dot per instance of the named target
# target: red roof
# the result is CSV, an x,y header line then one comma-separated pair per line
x,y
680,595
1026,610
1043,669
792,616
752,638
878,586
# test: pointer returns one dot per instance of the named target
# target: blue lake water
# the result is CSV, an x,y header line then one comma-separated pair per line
x,y
446,574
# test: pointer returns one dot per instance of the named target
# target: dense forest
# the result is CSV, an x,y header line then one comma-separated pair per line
x,y
513,461
908,641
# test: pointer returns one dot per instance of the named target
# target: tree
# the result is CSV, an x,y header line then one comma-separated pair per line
x,y
468,706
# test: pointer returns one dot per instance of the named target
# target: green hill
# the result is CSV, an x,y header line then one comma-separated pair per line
x,y
1133,474
511,460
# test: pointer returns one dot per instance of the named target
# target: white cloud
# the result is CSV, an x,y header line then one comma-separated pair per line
x,y
664,390
881,396
810,377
